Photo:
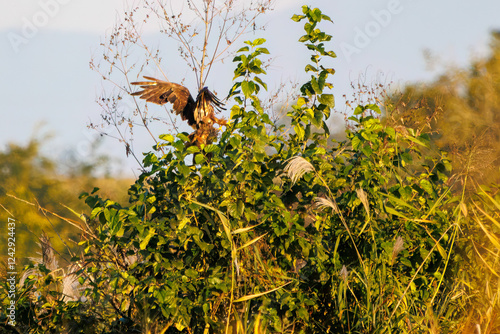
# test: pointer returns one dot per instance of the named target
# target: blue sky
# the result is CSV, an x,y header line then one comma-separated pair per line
x,y
46,47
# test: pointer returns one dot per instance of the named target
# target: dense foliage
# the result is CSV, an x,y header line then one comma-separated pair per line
x,y
279,230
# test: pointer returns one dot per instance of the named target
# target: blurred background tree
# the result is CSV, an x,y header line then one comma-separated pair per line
x,y
34,190
462,108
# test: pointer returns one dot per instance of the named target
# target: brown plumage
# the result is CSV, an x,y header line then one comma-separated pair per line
x,y
199,114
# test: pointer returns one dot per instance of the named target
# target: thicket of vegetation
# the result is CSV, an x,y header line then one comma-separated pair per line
x,y
276,229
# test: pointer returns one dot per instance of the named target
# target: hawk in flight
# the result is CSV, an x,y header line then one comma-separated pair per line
x,y
198,113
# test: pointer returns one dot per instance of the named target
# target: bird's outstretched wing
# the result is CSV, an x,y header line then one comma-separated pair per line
x,y
161,92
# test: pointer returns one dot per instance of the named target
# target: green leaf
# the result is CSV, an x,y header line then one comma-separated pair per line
x,y
199,159
240,206
318,118
183,136
307,89
394,212
183,169
301,101
374,107
331,54
255,66
329,70
418,141
325,17
236,111
257,79
297,18
427,186
262,50
168,138
183,223
258,41
146,240
303,314
300,131
315,14
367,151
356,142
243,49
248,166
304,38
248,87
192,149
359,110
191,273
309,67
308,27
236,209
235,142
211,148
327,99
312,47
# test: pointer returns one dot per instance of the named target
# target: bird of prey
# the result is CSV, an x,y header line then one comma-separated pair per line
x,y
198,113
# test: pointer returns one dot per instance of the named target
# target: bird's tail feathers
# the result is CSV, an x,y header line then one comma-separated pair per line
x,y
210,97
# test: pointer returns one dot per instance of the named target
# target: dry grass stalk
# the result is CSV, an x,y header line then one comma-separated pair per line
x,y
296,167
364,199
322,203
398,247
344,273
